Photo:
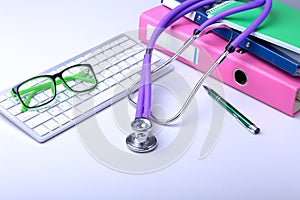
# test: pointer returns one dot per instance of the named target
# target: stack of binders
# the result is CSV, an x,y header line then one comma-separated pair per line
x,y
264,71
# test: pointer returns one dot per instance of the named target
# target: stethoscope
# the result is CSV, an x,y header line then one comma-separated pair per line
x,y
142,140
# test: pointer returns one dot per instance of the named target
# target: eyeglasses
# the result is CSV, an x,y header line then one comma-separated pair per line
x,y
41,90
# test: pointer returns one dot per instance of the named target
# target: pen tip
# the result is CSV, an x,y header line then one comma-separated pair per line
x,y
205,87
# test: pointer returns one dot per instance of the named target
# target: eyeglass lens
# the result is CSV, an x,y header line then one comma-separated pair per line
x,y
79,78
37,91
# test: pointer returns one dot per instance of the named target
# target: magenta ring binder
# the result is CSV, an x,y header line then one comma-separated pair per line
x,y
265,82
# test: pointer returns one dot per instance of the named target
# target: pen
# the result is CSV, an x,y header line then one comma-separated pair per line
x,y
239,116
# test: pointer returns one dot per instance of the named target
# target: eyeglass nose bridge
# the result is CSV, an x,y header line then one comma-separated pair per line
x,y
58,79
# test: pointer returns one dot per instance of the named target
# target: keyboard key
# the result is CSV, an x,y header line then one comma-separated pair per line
x,y
41,97
155,59
101,57
64,106
122,39
74,101
135,68
105,47
115,69
92,61
122,56
130,52
27,115
139,56
102,86
113,60
131,61
101,66
39,119
69,93
72,113
114,43
55,111
51,124
106,73
94,92
127,83
2,98
127,44
123,65
126,72
118,77
135,77
109,53
62,119
84,97
61,88
97,50
15,110
110,81
62,97
119,89
117,49
6,104
41,130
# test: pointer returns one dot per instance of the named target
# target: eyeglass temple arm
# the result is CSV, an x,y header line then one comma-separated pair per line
x,y
80,76
27,101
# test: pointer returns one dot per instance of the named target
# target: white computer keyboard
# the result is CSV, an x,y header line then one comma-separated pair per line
x,y
116,63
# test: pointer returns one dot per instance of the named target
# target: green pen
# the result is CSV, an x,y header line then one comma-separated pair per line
x,y
239,116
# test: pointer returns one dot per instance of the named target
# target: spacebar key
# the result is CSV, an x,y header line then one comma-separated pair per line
x,y
98,99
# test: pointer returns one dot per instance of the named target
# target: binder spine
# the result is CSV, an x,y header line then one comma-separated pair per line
x,y
263,81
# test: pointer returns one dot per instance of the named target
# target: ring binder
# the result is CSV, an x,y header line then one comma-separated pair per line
x,y
265,82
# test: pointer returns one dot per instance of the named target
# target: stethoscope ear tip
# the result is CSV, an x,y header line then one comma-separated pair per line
x,y
141,141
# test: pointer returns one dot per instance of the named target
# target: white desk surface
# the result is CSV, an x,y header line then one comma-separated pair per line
x,y
36,35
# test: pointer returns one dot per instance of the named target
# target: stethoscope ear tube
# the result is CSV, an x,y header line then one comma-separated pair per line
x,y
144,97
197,34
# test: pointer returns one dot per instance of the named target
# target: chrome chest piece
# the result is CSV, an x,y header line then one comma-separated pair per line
x,y
141,141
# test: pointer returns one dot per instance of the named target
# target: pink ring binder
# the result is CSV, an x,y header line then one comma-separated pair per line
x,y
265,82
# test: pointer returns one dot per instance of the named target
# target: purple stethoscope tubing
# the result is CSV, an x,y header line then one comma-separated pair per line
x,y
144,95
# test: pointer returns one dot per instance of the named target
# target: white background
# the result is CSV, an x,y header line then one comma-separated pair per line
x,y
36,35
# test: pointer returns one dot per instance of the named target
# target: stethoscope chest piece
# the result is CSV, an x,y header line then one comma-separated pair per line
x,y
141,141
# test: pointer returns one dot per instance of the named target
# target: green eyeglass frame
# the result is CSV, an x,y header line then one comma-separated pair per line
x,y
86,75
